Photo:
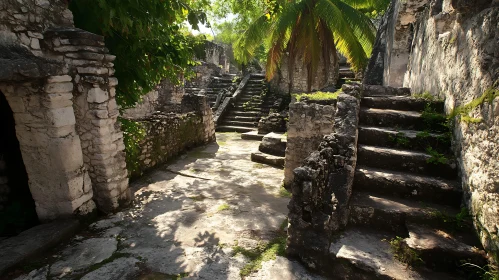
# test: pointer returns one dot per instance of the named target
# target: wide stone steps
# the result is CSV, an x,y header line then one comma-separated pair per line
x,y
399,138
409,120
244,113
241,123
404,103
404,161
444,249
405,185
229,128
385,212
242,118
400,189
363,253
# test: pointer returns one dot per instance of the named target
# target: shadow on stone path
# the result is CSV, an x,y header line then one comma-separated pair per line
x,y
186,218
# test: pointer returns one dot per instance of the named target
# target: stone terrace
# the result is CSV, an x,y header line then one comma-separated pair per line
x,y
187,219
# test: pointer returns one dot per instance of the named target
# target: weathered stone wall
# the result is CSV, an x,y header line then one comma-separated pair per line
x,y
165,98
281,80
308,123
58,82
273,122
455,55
322,185
169,134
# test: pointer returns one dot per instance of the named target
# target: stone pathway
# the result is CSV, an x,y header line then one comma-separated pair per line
x,y
208,215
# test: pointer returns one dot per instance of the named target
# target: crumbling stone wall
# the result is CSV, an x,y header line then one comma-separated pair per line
x,y
455,56
308,123
58,82
164,98
169,134
322,185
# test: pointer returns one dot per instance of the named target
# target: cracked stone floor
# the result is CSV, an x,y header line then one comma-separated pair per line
x,y
186,221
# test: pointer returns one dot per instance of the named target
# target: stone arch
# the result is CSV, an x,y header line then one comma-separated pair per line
x,y
40,97
17,207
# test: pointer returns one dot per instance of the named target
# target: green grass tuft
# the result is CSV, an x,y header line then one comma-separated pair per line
x,y
284,193
223,207
261,254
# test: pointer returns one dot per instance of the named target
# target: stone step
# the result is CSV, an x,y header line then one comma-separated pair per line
x,y
256,81
257,76
252,135
403,103
242,118
360,253
406,139
404,161
251,107
392,213
240,123
373,90
228,128
275,161
246,92
246,98
220,86
244,113
408,186
444,250
396,118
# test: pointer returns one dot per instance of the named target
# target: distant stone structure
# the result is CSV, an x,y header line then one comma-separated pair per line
x,y
58,82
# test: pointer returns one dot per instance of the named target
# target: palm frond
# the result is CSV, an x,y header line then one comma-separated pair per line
x,y
363,28
251,39
368,5
346,41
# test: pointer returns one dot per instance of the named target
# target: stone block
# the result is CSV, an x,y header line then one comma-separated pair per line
x,y
59,88
59,79
16,104
93,70
66,154
61,116
97,95
58,100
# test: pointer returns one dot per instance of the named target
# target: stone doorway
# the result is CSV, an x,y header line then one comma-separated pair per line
x,y
17,207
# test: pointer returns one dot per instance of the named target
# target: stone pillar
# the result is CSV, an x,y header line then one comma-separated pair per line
x,y
308,124
96,113
322,187
50,146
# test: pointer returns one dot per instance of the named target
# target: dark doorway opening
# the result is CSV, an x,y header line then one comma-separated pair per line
x,y
17,207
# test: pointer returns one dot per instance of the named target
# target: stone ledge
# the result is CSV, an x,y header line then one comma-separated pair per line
x,y
34,241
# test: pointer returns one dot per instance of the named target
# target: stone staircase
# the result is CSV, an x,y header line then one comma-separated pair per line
x,y
217,84
345,74
246,113
405,202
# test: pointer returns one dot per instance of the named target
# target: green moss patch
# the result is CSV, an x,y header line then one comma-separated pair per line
x,y
319,95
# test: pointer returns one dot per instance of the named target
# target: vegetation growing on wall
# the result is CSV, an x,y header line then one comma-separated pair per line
x,y
319,95
147,38
463,111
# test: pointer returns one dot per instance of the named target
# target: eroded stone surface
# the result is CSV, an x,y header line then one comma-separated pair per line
x,y
119,269
83,255
187,218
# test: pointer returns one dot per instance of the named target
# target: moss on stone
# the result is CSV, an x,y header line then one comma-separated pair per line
x,y
319,95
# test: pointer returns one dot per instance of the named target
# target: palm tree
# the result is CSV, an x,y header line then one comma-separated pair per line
x,y
314,31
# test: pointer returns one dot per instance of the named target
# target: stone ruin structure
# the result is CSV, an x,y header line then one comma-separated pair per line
x,y
58,95
449,49
358,187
